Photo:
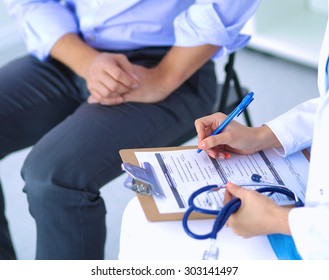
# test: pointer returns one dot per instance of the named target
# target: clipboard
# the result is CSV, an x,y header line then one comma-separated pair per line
x,y
147,202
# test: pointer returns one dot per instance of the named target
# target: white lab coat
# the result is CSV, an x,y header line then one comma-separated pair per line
x,y
307,125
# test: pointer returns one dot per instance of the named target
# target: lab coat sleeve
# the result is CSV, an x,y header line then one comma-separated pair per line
x,y
215,22
309,228
310,225
42,23
294,129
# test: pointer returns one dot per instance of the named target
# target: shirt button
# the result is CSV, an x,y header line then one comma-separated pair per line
x,y
91,37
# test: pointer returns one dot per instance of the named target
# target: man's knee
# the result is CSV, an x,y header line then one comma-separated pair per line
x,y
49,173
39,178
46,175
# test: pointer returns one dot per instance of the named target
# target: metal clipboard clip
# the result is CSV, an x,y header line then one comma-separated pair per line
x,y
142,180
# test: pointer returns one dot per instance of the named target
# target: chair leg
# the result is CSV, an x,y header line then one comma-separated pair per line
x,y
227,83
238,90
231,77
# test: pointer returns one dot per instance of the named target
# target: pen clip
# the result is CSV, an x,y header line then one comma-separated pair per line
x,y
245,102
241,111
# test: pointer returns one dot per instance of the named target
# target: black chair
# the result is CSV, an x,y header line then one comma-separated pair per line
x,y
228,101
229,94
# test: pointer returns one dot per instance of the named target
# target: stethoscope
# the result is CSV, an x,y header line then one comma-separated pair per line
x,y
223,213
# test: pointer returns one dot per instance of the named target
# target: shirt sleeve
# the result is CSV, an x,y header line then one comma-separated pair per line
x,y
215,22
42,23
294,129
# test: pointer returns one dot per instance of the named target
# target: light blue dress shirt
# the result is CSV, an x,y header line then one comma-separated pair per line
x,y
133,24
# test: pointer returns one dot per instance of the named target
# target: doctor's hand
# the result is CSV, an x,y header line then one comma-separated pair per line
x,y
109,76
236,138
257,215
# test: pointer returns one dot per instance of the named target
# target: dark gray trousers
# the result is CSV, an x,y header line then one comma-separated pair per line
x,y
75,146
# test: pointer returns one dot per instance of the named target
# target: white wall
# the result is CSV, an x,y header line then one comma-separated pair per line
x,y
319,6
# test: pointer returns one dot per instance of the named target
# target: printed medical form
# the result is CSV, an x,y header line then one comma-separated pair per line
x,y
180,172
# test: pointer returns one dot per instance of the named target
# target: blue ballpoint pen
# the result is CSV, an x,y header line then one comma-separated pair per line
x,y
235,113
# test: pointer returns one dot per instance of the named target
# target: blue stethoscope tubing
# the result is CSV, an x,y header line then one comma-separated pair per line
x,y
231,207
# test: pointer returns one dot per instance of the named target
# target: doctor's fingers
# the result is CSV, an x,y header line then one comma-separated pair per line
x,y
206,125
236,138
227,196
236,190
240,220
216,142
221,152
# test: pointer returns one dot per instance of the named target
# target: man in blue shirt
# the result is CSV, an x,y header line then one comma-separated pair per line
x,y
102,76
